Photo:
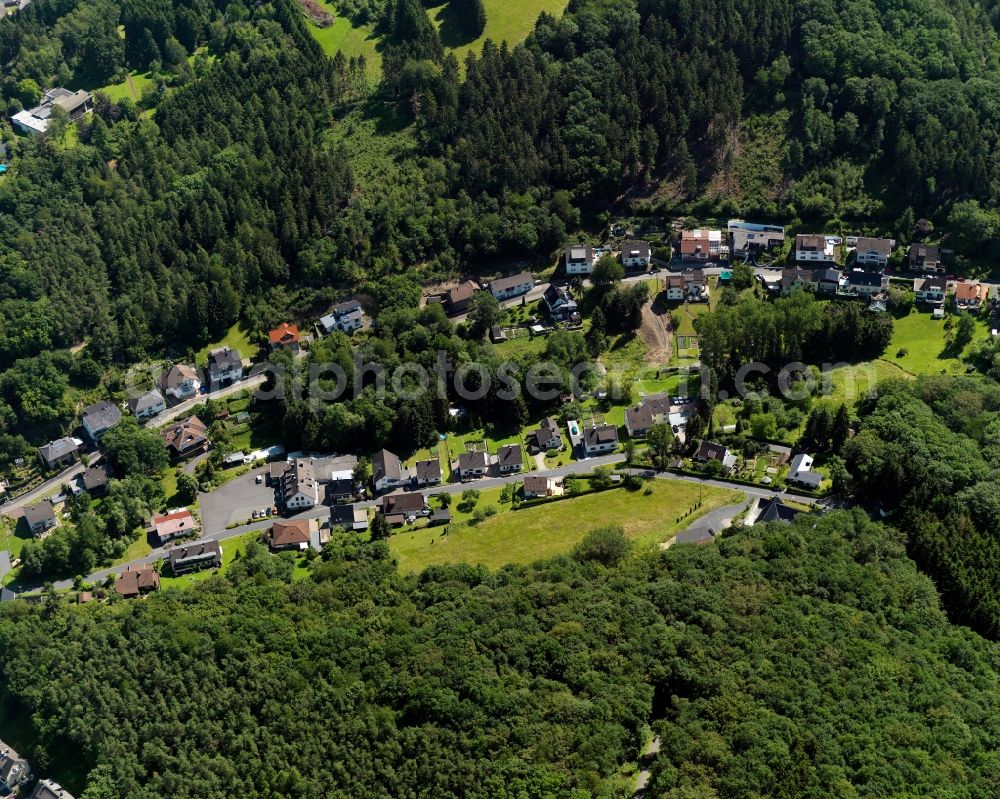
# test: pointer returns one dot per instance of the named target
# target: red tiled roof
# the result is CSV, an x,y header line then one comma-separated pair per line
x,y
284,334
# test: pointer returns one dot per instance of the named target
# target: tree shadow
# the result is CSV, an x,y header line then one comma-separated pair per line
x,y
450,28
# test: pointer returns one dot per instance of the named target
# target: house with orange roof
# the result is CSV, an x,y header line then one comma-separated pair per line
x,y
284,337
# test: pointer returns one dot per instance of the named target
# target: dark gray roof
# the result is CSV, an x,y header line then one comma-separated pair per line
x,y
776,511
881,246
199,550
601,434
429,470
386,464
826,276
628,247
96,477
6,595
224,359
473,460
101,415
709,450
57,449
858,278
144,402
507,283
41,512
510,455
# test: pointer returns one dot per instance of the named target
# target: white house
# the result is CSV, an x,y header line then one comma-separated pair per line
x,y
866,284
225,366
636,254
561,306
600,440
180,382
472,464
506,287
147,405
800,472
99,418
387,471
873,252
676,288
931,289
299,487
702,245
34,121
346,316
814,248
579,260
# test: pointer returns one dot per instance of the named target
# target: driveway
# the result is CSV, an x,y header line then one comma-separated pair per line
x,y
235,502
46,488
709,525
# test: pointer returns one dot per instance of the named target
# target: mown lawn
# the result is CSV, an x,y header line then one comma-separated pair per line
x,y
506,20
547,530
236,337
849,384
137,549
119,91
925,341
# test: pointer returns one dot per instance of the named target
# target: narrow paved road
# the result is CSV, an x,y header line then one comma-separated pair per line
x,y
48,487
323,511
247,384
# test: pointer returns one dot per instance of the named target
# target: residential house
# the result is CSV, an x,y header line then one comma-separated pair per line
x,y
225,366
695,286
59,453
600,440
293,534
346,316
186,438
560,304
96,480
402,504
926,258
387,471
472,464
350,517
99,418
510,459
173,524
50,789
774,510
636,254
195,556
427,473
579,259
284,337
750,237
794,280
970,296
676,288
702,245
34,121
638,420
340,487
180,382
800,472
14,770
866,284
931,289
825,281
537,486
654,409
546,437
710,451
514,286
147,405
459,297
873,253
40,517
137,579
299,489
814,248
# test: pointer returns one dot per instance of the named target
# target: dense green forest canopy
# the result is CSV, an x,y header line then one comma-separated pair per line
x,y
806,660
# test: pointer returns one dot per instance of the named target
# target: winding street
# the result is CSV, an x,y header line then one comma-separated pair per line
x,y
577,467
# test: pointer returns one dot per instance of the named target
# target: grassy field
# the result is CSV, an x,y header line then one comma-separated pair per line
x,y
119,91
506,20
925,341
547,530
137,549
237,338
848,384
342,36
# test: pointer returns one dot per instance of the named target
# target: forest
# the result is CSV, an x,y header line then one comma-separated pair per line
x,y
808,660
